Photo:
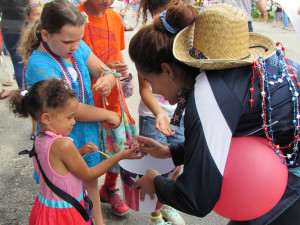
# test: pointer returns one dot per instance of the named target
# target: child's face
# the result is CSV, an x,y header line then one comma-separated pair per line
x,y
34,14
101,5
66,42
62,121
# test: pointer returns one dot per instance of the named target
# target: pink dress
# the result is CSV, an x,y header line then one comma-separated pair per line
x,y
48,208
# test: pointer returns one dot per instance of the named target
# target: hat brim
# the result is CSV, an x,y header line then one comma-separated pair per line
x,y
183,42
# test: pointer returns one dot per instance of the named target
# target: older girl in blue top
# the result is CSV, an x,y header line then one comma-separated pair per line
x,y
54,49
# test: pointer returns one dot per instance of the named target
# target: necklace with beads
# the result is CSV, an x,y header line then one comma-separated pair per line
x,y
106,60
266,79
82,96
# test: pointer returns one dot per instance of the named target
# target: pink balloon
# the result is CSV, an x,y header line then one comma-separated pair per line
x,y
254,180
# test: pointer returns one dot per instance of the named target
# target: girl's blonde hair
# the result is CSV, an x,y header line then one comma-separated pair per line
x,y
55,15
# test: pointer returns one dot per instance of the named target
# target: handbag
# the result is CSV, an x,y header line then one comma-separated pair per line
x,y
127,85
86,212
112,139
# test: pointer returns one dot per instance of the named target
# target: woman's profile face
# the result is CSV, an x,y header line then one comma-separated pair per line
x,y
66,42
161,84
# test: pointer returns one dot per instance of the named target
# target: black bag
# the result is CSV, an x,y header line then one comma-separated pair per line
x,y
86,212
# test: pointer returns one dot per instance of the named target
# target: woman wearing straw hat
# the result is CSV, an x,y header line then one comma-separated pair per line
x,y
212,70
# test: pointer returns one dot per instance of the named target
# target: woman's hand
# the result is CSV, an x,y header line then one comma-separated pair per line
x,y
162,124
103,85
150,146
114,120
88,148
146,183
119,67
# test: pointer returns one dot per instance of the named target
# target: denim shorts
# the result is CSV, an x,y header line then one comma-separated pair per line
x,y
147,129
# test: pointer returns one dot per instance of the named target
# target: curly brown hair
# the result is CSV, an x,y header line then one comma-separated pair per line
x,y
46,94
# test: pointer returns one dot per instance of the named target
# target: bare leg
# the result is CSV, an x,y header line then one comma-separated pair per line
x,y
93,193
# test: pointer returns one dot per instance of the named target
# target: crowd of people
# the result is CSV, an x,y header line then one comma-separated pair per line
x,y
198,90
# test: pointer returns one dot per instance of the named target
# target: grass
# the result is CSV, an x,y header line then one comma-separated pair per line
x,y
255,15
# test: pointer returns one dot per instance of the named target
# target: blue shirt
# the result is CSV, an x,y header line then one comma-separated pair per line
x,y
41,66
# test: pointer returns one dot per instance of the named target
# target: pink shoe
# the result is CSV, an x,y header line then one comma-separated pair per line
x,y
118,207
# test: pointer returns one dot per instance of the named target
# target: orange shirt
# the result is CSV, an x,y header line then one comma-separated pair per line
x,y
105,36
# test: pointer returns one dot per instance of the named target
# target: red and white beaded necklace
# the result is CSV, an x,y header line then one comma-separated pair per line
x,y
108,37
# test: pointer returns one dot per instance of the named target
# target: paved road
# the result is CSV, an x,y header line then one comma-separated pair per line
x,y
17,188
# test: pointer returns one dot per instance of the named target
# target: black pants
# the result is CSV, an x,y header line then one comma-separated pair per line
x,y
290,216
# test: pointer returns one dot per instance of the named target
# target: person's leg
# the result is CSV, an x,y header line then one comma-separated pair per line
x,y
147,129
108,194
168,212
92,189
259,17
285,21
274,21
266,16
10,41
250,27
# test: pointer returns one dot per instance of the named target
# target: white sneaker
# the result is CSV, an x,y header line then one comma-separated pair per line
x,y
172,215
159,221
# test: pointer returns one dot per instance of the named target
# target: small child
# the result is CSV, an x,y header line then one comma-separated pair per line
x,y
32,13
53,104
155,112
104,34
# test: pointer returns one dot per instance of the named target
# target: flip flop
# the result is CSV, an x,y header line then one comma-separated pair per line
x,y
7,83
4,94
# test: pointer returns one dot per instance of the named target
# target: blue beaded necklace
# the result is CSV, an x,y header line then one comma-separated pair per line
x,y
285,72
82,95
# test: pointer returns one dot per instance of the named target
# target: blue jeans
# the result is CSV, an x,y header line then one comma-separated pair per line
x,y
250,26
147,129
10,41
285,20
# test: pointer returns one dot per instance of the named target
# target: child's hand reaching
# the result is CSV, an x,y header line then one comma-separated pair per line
x,y
103,86
162,124
132,153
88,148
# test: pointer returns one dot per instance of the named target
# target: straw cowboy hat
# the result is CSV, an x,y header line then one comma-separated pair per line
x,y
219,39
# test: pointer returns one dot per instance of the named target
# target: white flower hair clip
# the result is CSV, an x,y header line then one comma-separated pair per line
x,y
85,17
23,93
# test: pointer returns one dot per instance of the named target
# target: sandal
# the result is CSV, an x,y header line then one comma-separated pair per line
x,y
7,83
4,94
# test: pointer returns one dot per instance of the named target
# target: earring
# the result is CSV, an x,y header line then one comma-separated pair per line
x,y
172,79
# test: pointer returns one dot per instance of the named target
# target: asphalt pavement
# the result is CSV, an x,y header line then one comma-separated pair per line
x,y
17,187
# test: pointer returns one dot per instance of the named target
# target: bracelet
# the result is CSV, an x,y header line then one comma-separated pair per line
x,y
106,70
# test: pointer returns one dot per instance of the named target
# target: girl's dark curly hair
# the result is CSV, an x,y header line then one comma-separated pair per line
x,y
155,42
150,6
46,94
